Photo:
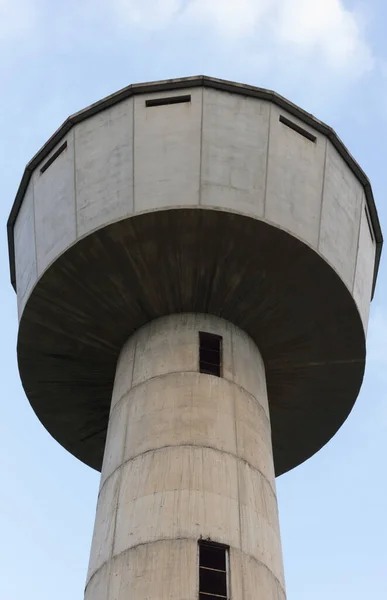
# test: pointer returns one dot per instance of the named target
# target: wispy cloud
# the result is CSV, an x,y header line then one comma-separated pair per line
x,y
322,30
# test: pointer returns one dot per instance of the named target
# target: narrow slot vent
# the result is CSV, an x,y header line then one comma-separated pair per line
x,y
297,128
213,571
210,351
369,222
169,100
53,157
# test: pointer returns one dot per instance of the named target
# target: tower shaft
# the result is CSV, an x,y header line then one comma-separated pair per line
x,y
188,459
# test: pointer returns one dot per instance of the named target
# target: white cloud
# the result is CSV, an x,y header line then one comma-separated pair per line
x,y
322,30
231,18
17,17
327,27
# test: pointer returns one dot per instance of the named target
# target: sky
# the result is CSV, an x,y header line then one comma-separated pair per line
x,y
328,56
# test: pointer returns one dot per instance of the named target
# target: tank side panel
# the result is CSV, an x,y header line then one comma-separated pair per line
x,y
234,150
294,178
340,217
25,255
364,268
104,167
167,151
54,193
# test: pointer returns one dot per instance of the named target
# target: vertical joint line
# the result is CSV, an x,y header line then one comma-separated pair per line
x,y
134,358
236,438
119,483
322,194
362,207
201,148
75,187
34,215
133,127
267,160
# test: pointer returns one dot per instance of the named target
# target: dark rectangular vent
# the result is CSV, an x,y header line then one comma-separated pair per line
x,y
169,100
53,157
213,571
297,128
210,350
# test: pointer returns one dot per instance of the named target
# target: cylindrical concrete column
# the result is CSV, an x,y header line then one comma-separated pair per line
x,y
188,456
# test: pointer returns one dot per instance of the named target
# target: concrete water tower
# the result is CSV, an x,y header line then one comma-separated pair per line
x,y
194,261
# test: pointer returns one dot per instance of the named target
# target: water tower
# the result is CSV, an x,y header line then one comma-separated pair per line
x,y
194,261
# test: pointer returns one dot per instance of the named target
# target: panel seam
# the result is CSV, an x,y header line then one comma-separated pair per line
x,y
197,446
237,453
267,160
183,539
35,236
133,159
75,186
201,148
357,244
162,375
322,196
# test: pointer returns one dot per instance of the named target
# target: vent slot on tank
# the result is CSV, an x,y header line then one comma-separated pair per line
x,y
169,100
52,158
369,222
297,128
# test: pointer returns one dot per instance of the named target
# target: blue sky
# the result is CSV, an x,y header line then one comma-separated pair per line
x,y
328,56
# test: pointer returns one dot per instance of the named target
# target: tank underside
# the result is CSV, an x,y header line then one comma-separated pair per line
x,y
276,288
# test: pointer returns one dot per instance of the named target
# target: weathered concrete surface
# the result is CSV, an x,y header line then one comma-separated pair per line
x,y
213,204
223,150
25,248
122,276
104,167
230,202
295,177
54,204
188,455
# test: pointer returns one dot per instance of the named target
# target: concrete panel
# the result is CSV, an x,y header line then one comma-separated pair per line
x,y
97,588
234,150
364,268
251,579
25,255
124,372
340,217
259,520
162,570
171,344
181,409
237,576
104,167
248,367
115,440
259,582
253,435
162,348
55,206
294,178
167,151
104,526
181,492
